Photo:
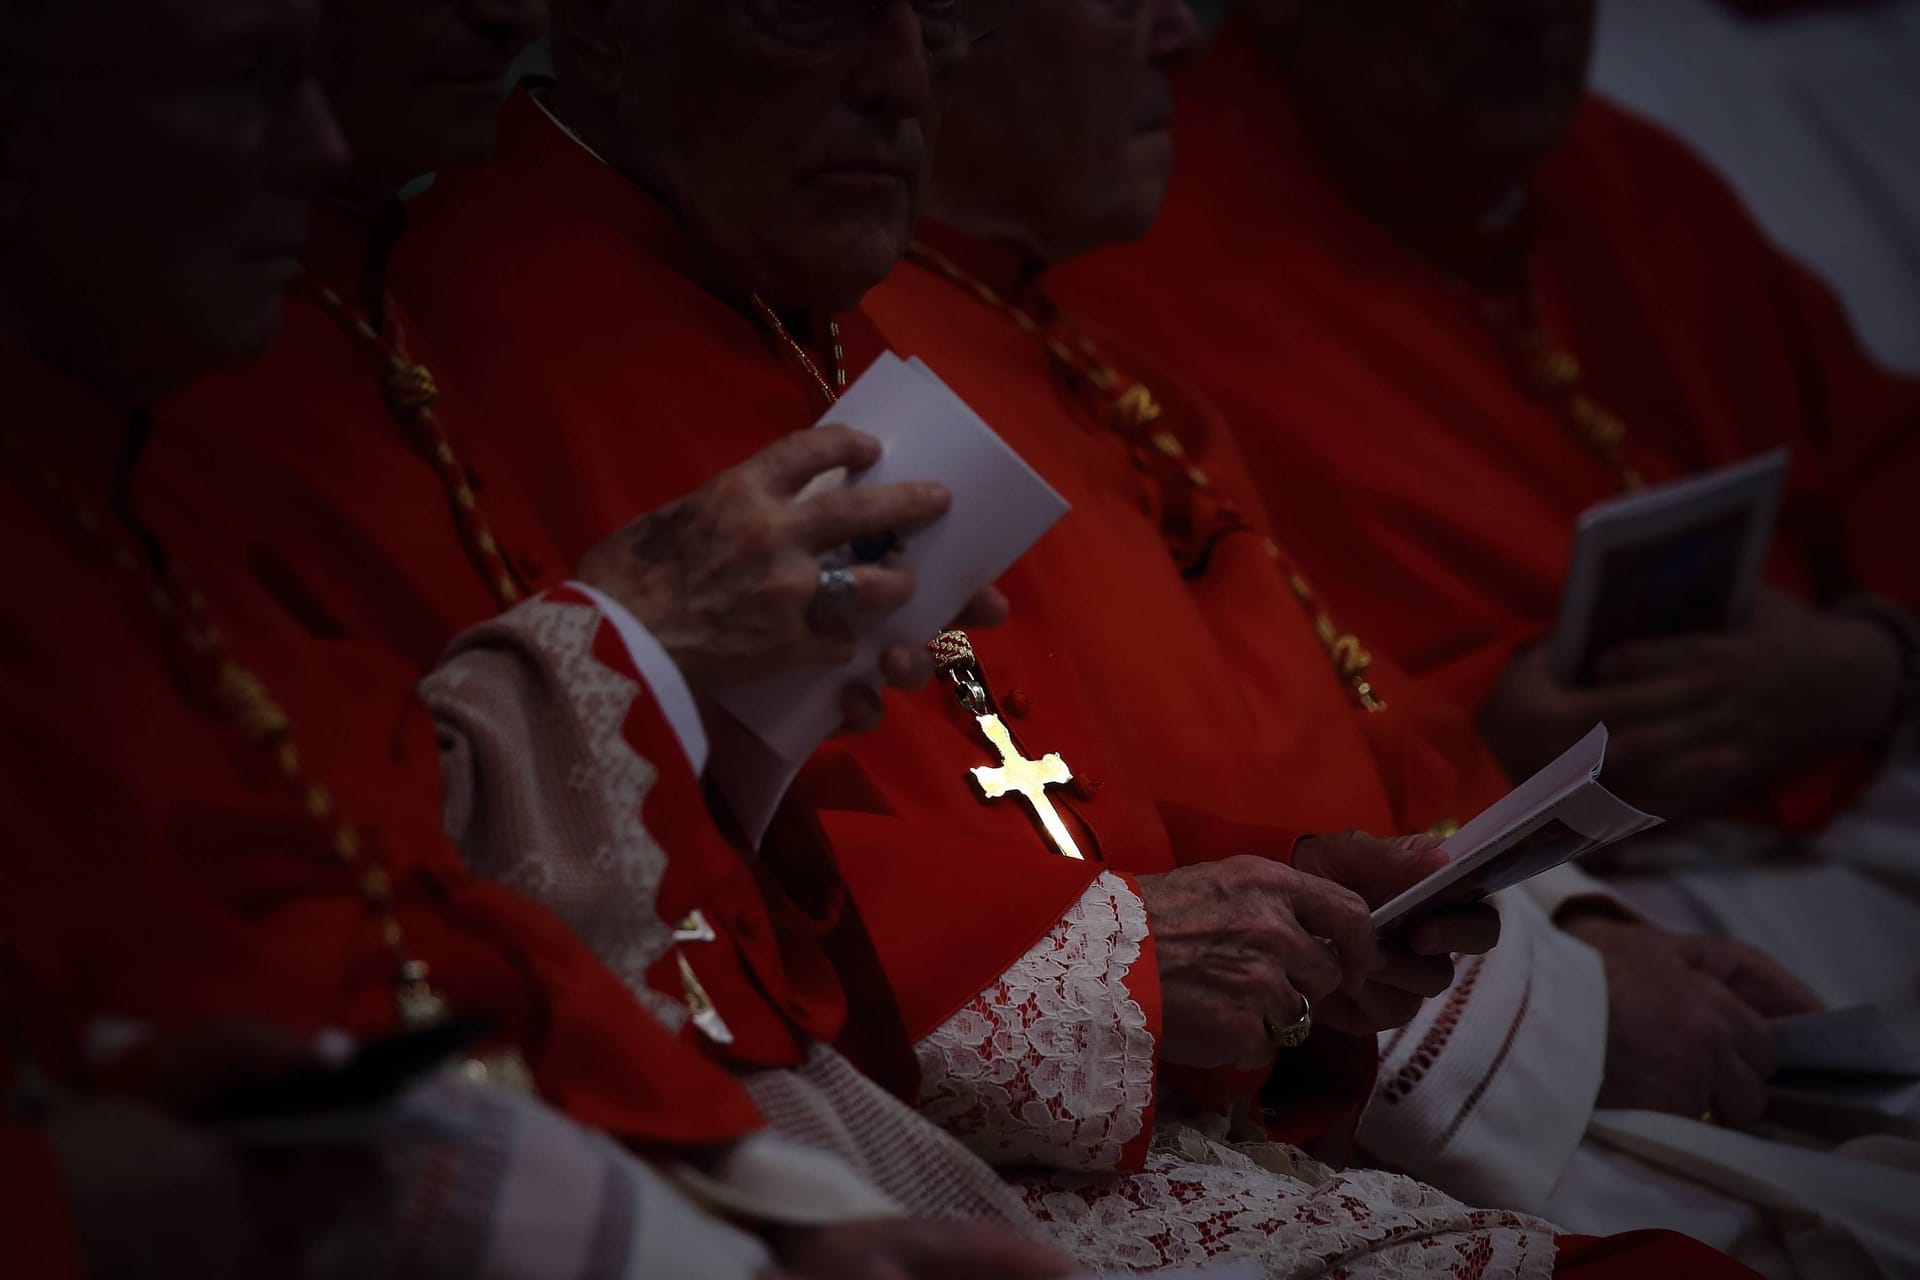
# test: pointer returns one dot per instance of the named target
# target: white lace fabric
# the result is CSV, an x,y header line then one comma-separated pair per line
x,y
563,824
1200,1201
1054,1063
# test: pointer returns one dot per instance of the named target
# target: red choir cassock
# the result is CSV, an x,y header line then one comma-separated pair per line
x,y
213,816
600,321
1425,438
372,516
1231,685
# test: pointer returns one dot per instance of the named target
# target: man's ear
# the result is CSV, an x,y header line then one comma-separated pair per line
x,y
583,34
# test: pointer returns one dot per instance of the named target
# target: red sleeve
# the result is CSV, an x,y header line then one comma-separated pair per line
x,y
36,1233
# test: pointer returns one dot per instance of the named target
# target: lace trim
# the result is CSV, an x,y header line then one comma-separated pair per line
x,y
1053,1064
622,866
1198,1201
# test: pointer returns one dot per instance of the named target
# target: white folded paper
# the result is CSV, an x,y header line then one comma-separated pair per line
x,y
1560,814
1868,1039
763,732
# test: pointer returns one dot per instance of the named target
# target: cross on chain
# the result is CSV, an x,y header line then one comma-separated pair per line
x,y
1028,779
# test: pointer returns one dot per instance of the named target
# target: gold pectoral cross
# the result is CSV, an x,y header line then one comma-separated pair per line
x,y
1028,779
1015,775
699,1004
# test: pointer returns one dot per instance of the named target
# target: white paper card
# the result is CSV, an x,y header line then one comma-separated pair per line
x,y
1560,814
1001,507
1872,1039
1675,558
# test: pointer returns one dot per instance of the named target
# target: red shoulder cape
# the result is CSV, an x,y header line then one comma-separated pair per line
x,y
158,869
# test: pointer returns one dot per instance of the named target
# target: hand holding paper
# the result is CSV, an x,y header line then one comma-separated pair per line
x,y
763,732
1560,814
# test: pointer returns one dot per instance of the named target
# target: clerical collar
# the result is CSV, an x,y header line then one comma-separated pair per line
x,y
539,97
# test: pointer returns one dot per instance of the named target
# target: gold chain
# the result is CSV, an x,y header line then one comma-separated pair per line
x,y
244,701
831,387
1136,409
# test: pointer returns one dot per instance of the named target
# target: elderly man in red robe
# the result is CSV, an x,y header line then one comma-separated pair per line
x,y
1449,303
1489,322
680,231
272,850
1495,1091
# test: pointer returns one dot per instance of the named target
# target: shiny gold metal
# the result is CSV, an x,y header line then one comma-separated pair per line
x,y
1028,779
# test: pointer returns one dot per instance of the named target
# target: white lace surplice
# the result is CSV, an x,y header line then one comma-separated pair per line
x,y
1052,1068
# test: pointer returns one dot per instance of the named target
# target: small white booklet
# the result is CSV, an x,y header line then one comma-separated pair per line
x,y
1677,558
1560,814
763,732
1866,1040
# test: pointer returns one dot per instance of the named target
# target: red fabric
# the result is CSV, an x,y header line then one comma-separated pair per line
x,y
340,515
616,381
344,519
1640,1254
36,1233
158,869
1429,493
1214,683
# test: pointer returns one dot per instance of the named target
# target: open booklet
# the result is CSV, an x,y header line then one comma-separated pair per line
x,y
1673,559
762,733
1560,814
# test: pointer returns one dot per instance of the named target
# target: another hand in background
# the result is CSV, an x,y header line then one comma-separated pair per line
x,y
1687,1020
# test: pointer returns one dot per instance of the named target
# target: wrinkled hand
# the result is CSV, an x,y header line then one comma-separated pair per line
x,y
725,578
915,1249
1239,942
1415,963
1704,723
1686,1020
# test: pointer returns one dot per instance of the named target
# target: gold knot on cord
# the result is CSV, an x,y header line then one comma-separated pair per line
x,y
951,649
246,702
411,389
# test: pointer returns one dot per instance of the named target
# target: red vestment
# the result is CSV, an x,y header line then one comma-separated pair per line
x,y
1428,483
161,868
348,515
615,310
1165,592
598,320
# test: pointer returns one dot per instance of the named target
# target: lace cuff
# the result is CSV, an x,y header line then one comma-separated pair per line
x,y
1054,1063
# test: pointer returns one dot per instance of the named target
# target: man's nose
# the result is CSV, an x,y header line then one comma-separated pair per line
x,y
894,76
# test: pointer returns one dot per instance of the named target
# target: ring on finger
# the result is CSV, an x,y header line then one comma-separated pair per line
x,y
835,603
1293,1034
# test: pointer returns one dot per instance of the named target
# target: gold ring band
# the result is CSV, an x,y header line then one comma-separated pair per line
x,y
1295,1033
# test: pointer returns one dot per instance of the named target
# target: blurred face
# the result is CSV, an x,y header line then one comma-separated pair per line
x,y
418,84
154,183
1057,132
1458,99
792,136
